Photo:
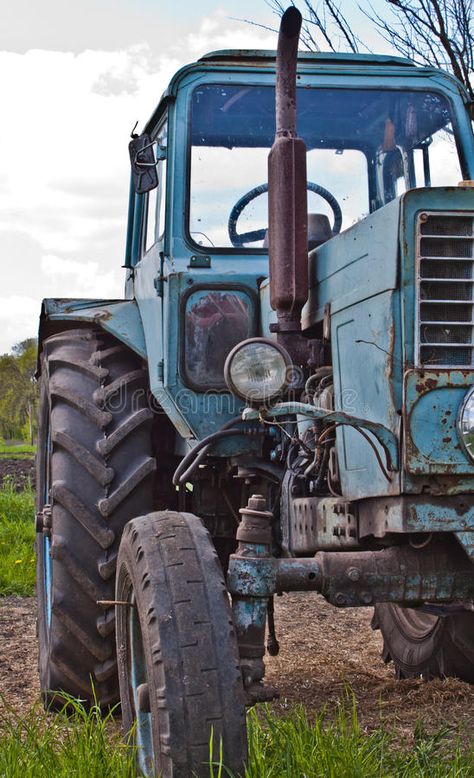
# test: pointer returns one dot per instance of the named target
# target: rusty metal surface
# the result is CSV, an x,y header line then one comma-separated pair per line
x,y
417,513
321,522
287,199
432,400
437,573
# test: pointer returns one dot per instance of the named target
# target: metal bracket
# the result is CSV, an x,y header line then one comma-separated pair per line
x,y
200,260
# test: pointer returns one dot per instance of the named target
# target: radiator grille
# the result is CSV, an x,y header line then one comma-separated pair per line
x,y
445,289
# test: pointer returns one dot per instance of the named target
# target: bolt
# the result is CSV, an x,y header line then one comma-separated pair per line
x,y
353,573
423,217
340,598
257,502
366,597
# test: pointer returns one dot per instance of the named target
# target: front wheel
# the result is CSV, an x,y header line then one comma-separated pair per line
x,y
178,662
422,644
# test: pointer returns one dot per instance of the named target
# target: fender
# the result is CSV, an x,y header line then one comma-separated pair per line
x,y
119,317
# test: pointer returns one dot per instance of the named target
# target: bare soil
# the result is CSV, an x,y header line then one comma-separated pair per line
x,y
21,472
324,651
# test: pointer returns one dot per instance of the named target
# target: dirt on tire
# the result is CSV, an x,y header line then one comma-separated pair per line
x,y
324,653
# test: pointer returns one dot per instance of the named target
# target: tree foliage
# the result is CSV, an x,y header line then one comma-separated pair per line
x,y
18,391
438,33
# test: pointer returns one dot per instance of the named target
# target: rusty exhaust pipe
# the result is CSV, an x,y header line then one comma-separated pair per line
x,y
287,198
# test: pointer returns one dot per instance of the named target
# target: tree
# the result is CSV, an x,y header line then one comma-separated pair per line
x,y
437,33
432,32
18,391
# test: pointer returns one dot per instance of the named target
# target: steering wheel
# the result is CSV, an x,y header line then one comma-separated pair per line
x,y
254,235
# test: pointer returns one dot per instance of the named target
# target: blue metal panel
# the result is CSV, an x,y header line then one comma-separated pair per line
x,y
432,400
367,382
355,265
203,411
119,317
466,540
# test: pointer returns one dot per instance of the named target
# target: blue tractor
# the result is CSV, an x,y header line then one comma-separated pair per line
x,y
282,401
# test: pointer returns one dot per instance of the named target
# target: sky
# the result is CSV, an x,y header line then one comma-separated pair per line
x,y
74,79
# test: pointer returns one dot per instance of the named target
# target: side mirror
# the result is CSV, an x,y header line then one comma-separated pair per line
x,y
143,162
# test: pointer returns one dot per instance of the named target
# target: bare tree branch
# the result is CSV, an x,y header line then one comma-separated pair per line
x,y
437,33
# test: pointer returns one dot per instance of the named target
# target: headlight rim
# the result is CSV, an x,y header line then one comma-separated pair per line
x,y
469,396
267,399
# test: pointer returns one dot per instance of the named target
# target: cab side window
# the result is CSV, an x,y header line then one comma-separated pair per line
x,y
154,215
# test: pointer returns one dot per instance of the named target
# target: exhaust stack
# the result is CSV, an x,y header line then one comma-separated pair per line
x,y
287,198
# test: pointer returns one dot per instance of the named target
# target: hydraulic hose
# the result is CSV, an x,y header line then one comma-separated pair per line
x,y
194,457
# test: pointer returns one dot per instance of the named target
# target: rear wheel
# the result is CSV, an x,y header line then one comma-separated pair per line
x,y
94,473
422,644
179,672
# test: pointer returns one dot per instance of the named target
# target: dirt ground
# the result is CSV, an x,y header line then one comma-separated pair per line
x,y
324,650
20,471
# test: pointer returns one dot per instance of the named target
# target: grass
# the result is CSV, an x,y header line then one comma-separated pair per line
x,y
17,451
84,744
17,536
294,746
79,744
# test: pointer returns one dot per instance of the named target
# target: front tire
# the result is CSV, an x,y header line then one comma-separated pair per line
x,y
179,671
422,644
94,473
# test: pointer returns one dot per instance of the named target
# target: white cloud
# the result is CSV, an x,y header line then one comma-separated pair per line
x,y
18,320
67,117
218,31
83,279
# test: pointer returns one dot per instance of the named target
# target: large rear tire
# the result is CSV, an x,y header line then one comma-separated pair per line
x,y
422,644
180,678
94,473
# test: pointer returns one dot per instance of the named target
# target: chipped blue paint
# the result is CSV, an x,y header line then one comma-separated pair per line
x,y
119,317
466,540
432,400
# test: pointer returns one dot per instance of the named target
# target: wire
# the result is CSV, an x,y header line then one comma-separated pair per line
x,y
326,432
188,463
379,460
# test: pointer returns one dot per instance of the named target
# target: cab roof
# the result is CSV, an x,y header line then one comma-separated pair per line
x,y
322,61
332,58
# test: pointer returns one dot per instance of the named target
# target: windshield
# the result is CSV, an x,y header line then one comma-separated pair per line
x,y
364,148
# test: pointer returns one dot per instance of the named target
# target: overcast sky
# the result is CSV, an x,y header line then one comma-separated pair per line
x,y
75,76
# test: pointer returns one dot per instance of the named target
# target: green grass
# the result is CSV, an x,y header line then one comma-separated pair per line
x,y
17,536
17,451
86,745
81,744
294,746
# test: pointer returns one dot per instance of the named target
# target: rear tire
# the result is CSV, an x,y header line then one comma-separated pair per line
x,y
421,644
179,669
94,470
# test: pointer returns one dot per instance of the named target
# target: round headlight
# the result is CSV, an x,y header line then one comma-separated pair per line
x,y
257,370
466,423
